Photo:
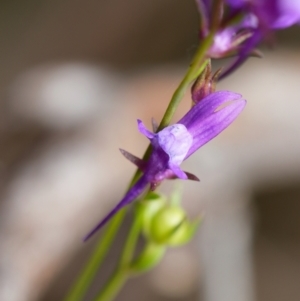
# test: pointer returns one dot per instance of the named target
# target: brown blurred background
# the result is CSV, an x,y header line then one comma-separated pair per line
x,y
74,77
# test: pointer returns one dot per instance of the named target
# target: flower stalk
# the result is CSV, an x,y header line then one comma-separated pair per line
x,y
83,282
197,66
123,270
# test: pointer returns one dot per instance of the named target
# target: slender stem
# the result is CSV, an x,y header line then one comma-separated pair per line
x,y
122,272
129,248
113,285
197,66
80,287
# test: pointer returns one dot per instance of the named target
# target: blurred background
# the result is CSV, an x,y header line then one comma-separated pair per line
x,y
74,78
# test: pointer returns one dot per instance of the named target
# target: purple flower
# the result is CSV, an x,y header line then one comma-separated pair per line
x,y
273,14
227,37
175,143
261,17
246,24
234,34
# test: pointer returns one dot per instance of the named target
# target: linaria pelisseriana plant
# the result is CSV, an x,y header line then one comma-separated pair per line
x,y
228,28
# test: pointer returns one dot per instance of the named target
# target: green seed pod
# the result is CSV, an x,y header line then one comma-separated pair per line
x,y
149,257
148,208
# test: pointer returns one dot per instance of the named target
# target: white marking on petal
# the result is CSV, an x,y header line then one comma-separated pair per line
x,y
176,141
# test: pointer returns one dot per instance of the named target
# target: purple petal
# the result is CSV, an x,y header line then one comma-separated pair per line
x,y
236,3
214,124
207,106
274,14
175,140
223,42
178,171
288,13
246,49
130,196
142,128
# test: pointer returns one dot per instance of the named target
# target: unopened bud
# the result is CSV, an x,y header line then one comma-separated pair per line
x,y
149,257
152,203
170,226
205,84
165,223
184,233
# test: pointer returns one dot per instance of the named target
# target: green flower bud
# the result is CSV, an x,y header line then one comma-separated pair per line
x,y
149,257
148,208
184,233
165,223
171,227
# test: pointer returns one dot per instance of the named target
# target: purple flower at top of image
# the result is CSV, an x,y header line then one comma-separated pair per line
x,y
247,23
261,17
230,38
274,14
175,143
227,38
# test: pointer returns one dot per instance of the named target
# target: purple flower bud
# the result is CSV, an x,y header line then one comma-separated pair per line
x,y
205,84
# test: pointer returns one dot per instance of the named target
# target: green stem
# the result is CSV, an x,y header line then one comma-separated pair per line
x,y
80,287
129,248
113,286
122,272
197,66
